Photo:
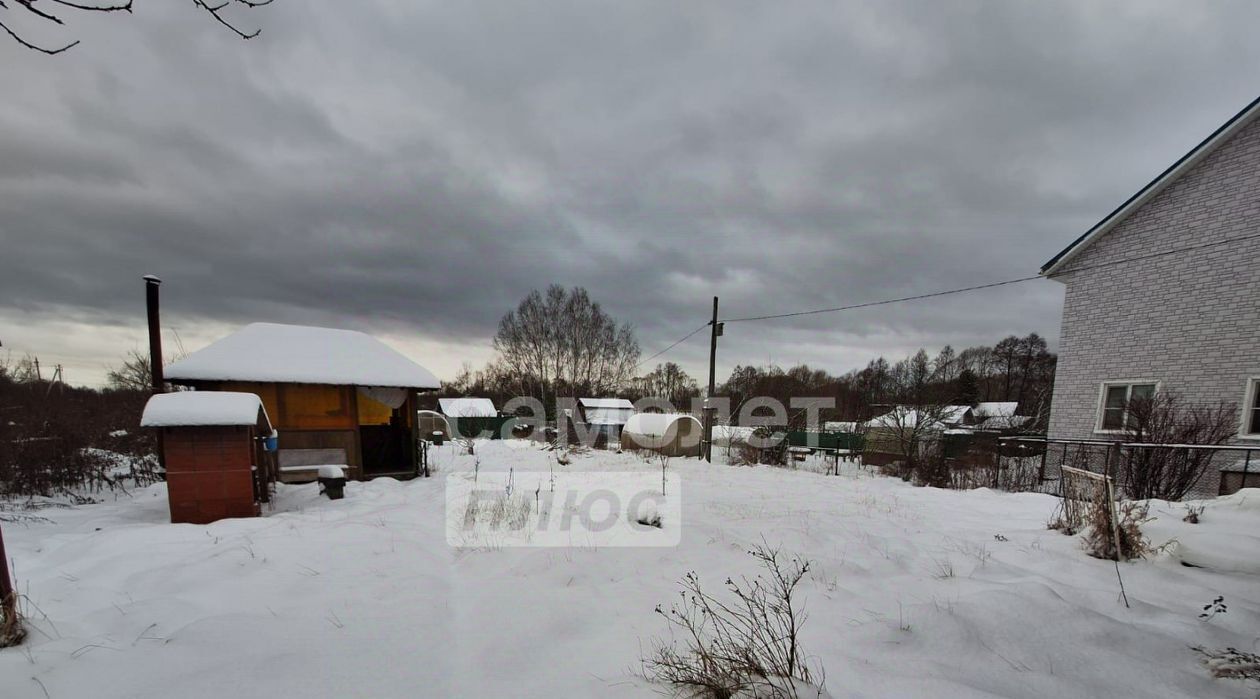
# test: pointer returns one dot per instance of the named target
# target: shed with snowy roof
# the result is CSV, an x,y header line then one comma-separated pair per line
x,y
605,416
474,417
336,396
213,446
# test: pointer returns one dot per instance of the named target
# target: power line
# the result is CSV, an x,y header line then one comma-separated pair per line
x,y
881,303
677,342
1007,282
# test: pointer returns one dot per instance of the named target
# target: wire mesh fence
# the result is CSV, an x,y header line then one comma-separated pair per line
x,y
1139,470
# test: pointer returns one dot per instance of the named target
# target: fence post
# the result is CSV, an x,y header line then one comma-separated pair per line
x,y
1041,471
1246,466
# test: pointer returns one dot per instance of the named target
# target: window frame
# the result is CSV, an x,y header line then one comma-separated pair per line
x,y
1100,411
1248,406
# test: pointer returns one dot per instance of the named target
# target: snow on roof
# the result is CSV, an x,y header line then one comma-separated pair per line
x,y
606,411
194,408
996,409
606,403
904,416
1002,423
655,424
655,430
467,407
840,426
269,352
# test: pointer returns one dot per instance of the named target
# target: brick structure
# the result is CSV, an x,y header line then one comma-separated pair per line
x,y
210,473
216,464
1187,322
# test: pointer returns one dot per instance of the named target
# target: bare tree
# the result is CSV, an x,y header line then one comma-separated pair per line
x,y
1169,473
564,341
910,432
134,374
670,382
43,11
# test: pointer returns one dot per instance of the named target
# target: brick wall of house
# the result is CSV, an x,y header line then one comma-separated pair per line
x,y
1189,321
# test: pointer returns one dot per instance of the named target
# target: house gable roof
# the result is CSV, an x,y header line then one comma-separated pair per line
x,y
272,353
1157,185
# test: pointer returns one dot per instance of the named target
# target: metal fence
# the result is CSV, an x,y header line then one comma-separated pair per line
x,y
1140,470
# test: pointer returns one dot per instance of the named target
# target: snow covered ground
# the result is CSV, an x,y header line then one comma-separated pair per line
x,y
916,592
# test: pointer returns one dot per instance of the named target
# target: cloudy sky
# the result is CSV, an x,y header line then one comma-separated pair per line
x,y
414,168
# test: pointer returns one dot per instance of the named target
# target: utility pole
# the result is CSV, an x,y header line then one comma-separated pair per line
x,y
715,330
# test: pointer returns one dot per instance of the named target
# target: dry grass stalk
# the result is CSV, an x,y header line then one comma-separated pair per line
x,y
749,643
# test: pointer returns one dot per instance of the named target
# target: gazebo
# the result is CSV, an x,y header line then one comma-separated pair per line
x,y
335,396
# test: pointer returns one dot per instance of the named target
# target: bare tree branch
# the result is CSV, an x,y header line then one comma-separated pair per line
x,y
33,47
214,9
124,7
30,7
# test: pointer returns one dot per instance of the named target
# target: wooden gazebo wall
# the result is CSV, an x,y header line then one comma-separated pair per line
x,y
320,416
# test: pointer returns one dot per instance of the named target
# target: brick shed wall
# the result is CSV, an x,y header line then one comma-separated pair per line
x,y
209,474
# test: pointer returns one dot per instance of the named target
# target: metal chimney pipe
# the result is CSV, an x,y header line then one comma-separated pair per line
x,y
151,284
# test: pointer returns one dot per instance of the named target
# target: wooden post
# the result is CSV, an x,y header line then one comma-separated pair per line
x,y
1246,467
6,582
10,627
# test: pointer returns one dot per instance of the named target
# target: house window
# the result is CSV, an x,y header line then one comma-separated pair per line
x,y
1116,398
1251,412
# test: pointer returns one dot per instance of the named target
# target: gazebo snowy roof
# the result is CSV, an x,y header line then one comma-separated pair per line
x,y
273,353
203,408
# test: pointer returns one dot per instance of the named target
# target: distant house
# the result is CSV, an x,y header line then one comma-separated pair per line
x,y
888,434
471,417
842,426
1137,320
606,416
909,415
336,396
997,416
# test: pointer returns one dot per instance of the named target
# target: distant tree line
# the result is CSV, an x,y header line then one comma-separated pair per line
x,y
560,343
1018,369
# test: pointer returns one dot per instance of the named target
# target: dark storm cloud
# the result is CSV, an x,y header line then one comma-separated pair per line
x,y
418,167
